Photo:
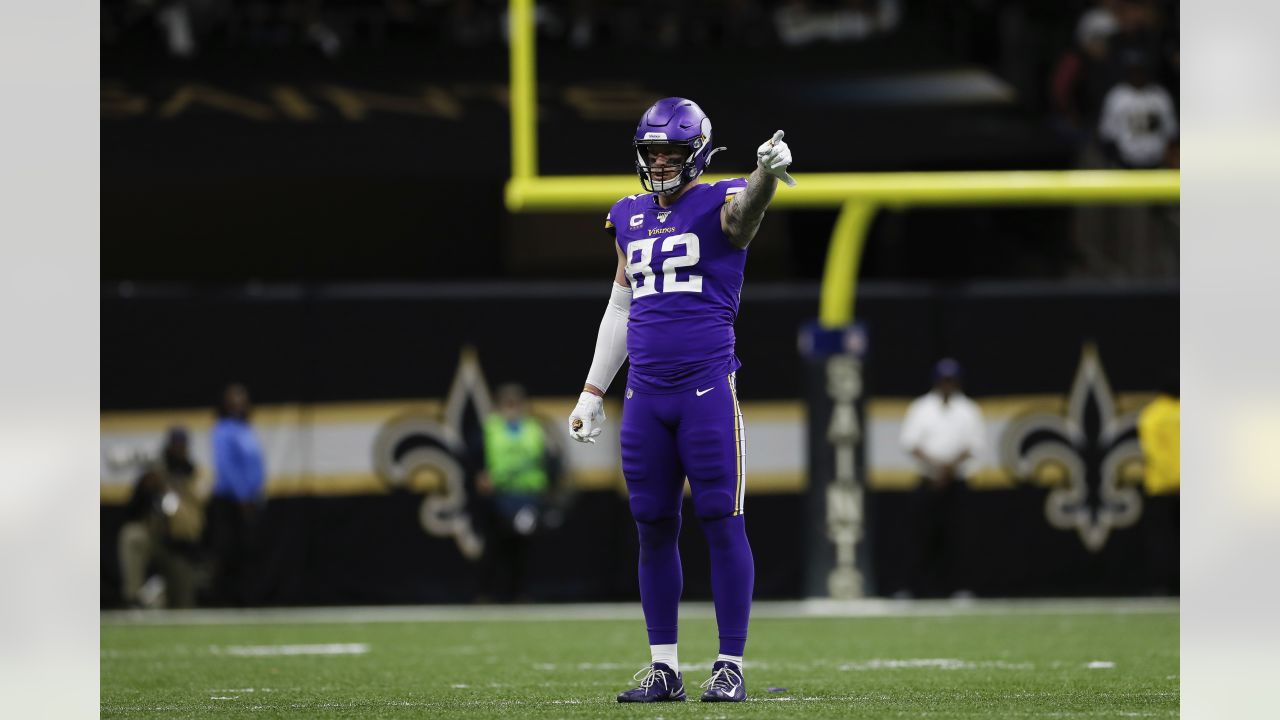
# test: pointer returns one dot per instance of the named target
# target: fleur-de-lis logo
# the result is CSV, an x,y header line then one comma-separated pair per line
x,y
416,443
1085,454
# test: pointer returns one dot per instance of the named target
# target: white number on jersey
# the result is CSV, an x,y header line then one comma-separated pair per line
x,y
640,269
692,255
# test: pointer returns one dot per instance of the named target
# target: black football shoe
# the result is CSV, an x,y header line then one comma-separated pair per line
x,y
658,683
725,684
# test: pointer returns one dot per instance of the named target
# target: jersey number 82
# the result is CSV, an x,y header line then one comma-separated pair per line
x,y
640,269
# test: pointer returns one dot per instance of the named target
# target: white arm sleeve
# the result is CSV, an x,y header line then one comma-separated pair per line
x,y
611,343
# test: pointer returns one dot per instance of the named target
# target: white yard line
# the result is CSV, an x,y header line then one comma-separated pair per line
x,y
869,607
275,650
933,664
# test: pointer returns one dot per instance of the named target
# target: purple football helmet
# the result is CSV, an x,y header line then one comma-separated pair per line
x,y
674,121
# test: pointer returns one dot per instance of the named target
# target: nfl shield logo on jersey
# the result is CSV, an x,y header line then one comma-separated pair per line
x,y
662,216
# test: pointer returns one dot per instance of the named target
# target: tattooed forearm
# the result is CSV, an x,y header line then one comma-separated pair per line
x,y
743,214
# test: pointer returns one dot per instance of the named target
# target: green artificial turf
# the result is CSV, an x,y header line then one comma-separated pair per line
x,y
986,665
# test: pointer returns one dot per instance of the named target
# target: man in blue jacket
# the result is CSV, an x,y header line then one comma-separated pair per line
x,y
239,475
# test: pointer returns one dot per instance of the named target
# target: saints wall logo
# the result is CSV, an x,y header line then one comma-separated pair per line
x,y
1090,456
421,449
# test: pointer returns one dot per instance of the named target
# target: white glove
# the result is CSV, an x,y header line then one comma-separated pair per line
x,y
587,418
773,157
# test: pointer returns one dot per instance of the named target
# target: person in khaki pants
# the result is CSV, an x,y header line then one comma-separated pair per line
x,y
166,521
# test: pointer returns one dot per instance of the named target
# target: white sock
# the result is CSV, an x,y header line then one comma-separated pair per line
x,y
665,654
735,659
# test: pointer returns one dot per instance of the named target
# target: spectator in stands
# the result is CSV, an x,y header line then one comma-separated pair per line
x,y
944,432
517,476
166,521
1137,124
1159,433
1139,27
186,24
1083,75
1138,129
806,22
238,497
584,22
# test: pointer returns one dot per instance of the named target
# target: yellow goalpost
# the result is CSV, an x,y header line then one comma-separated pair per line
x,y
857,195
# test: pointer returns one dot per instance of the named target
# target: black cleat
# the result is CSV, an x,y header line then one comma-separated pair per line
x,y
725,683
659,684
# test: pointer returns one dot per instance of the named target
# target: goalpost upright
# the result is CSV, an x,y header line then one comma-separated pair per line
x,y
835,462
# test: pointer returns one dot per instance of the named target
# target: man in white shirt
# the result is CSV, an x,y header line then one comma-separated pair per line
x,y
1138,129
944,432
1138,123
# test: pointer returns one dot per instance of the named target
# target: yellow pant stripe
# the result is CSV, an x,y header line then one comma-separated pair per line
x,y
739,438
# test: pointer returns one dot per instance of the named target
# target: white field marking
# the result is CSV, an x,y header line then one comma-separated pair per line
x,y
241,690
217,697
566,702
460,686
150,652
273,650
1100,665
866,607
933,663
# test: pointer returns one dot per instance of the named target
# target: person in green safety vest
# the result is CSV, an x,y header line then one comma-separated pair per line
x,y
515,480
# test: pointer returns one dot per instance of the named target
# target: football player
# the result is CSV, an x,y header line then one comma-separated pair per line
x,y
682,247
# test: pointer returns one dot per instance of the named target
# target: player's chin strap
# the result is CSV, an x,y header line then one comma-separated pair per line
x,y
667,187
660,187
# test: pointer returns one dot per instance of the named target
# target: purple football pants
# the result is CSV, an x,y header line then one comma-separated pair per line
x,y
697,433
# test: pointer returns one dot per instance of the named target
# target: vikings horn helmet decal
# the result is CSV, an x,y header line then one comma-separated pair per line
x,y
674,121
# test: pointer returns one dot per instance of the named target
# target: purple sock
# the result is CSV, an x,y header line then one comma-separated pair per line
x,y
733,576
661,578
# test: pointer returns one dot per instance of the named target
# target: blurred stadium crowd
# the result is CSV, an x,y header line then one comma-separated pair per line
x,y
329,26
1071,54
1084,84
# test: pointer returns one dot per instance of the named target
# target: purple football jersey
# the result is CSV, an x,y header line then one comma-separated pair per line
x,y
686,278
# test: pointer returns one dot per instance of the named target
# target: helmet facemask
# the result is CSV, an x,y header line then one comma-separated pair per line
x,y
668,178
